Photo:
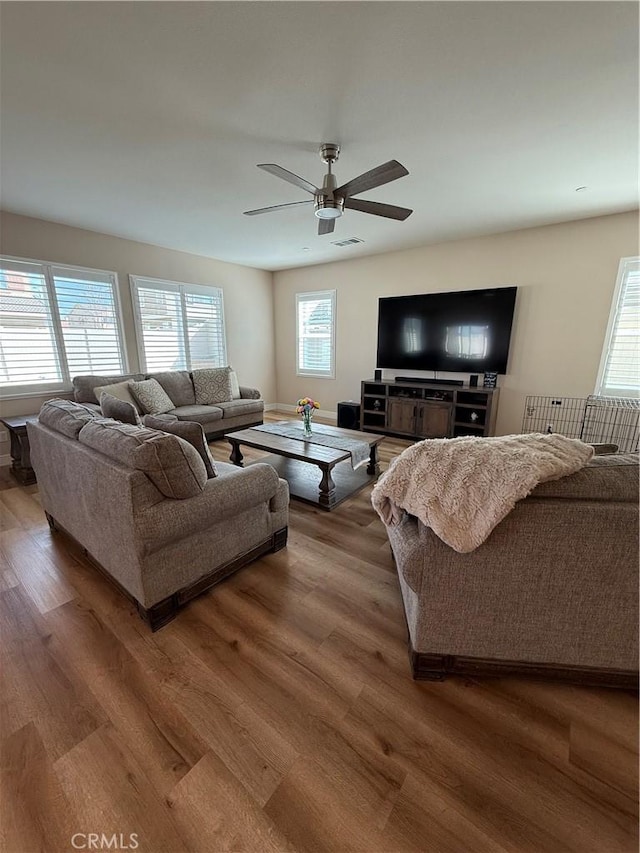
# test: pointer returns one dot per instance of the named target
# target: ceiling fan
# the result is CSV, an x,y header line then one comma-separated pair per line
x,y
329,200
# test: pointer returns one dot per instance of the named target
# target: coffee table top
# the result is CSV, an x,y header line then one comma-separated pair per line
x,y
306,451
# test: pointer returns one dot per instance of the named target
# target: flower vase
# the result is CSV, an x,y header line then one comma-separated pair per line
x,y
306,424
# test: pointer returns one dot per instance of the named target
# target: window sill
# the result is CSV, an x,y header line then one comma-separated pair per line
x,y
24,395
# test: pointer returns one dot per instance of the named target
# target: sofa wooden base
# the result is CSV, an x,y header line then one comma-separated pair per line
x,y
164,611
430,667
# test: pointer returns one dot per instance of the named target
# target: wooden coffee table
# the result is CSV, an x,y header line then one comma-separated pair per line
x,y
296,461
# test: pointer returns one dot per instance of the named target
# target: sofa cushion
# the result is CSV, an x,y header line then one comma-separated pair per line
x,y
83,385
190,431
199,414
173,465
120,390
604,478
178,386
119,409
65,416
212,385
152,397
241,407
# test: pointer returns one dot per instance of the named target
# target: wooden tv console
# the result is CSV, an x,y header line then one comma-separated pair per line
x,y
421,410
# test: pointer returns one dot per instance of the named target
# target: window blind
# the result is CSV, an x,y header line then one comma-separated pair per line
x,y
56,322
180,326
620,367
28,349
315,321
89,320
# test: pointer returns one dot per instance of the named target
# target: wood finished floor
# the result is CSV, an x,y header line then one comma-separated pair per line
x,y
277,713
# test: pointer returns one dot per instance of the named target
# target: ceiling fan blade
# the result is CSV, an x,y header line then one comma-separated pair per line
x,y
390,171
279,172
391,211
276,207
326,226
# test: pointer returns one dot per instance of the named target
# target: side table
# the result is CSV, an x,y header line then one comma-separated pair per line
x,y
20,454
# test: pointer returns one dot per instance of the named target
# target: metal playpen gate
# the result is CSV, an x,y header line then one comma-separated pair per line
x,y
610,420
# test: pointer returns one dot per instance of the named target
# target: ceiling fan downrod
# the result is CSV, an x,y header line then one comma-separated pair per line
x,y
326,205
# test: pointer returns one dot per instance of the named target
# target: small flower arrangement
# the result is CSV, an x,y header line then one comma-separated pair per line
x,y
305,407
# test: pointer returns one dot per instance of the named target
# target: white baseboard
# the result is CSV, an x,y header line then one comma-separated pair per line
x,y
5,459
321,413
269,407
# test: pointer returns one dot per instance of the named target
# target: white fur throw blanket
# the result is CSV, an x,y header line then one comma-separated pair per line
x,y
463,487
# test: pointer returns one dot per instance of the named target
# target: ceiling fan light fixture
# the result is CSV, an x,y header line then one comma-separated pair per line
x,y
328,212
328,206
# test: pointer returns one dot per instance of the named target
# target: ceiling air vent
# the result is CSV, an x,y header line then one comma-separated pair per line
x,y
350,242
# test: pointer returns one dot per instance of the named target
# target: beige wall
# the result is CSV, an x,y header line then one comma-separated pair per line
x,y
248,293
565,276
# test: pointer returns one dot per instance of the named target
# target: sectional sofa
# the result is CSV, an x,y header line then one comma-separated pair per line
x,y
143,506
552,593
245,411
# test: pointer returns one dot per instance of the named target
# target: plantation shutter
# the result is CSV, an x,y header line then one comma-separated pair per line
x,y
205,326
28,346
620,368
161,332
89,321
180,326
315,316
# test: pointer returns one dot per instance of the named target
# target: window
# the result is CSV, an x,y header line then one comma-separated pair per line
x,y
315,333
619,373
56,322
179,326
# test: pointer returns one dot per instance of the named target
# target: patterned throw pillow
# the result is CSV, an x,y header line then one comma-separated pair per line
x,y
212,385
119,410
152,397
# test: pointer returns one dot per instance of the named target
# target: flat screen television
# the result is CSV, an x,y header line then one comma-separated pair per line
x,y
462,332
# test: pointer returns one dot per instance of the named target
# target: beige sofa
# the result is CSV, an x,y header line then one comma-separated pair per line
x,y
241,413
140,503
552,593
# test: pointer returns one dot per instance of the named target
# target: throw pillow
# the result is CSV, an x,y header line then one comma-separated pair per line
x,y
151,396
190,431
119,410
120,390
235,385
212,385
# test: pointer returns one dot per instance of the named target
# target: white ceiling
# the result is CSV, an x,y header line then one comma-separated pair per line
x,y
146,120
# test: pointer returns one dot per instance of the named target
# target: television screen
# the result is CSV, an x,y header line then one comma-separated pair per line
x,y
462,332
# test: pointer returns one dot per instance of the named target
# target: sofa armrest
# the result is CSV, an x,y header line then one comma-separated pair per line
x,y
408,547
249,393
166,417
280,501
223,497
604,449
